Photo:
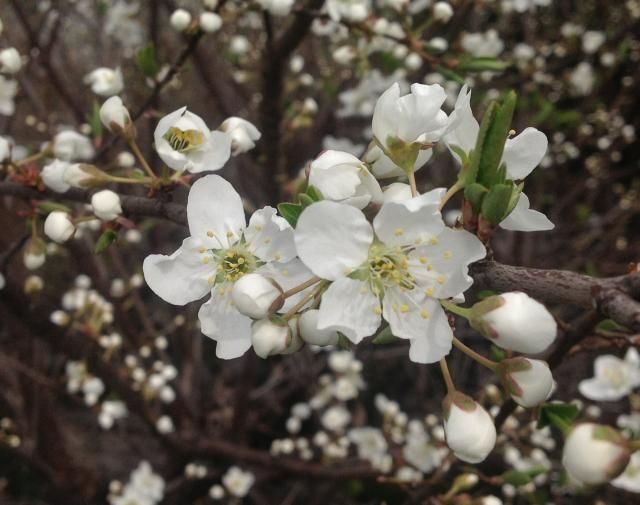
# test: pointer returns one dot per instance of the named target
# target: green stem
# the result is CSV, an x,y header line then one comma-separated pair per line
x,y
447,376
412,183
486,362
124,180
456,309
301,287
450,193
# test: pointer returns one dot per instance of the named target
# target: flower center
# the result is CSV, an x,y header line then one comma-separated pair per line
x,y
388,267
184,140
233,263
616,377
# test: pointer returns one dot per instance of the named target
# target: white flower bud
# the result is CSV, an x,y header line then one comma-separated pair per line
x,y
243,134
81,175
114,115
106,205
10,61
516,322
309,106
442,11
277,7
413,61
239,45
344,55
180,20
69,146
105,81
469,428
164,425
210,22
257,296
58,227
594,454
309,332
529,381
269,338
59,318
34,261
53,176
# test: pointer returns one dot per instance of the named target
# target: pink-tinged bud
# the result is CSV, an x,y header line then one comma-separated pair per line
x,y
595,454
469,429
516,322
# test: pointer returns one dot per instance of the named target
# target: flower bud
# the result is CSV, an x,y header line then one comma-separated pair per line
x,y
243,134
469,429
115,116
10,61
594,454
35,253
309,332
270,337
442,11
257,296
82,175
180,20
53,176
71,146
106,205
528,381
516,322
58,227
344,55
210,22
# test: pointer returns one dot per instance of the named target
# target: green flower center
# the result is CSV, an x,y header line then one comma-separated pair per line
x,y
233,263
388,267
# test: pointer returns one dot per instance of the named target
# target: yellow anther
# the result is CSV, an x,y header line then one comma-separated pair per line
x,y
424,314
447,255
258,227
277,257
404,308
398,232
394,307
211,280
441,279
230,234
267,240
377,310
423,259
433,241
210,233
428,291
429,267
205,259
202,250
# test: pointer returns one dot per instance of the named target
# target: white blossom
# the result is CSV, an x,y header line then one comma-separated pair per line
x,y
8,91
244,134
53,175
238,482
180,20
469,429
614,378
10,61
105,81
72,146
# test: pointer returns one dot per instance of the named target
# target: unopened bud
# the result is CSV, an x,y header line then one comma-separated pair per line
x,y
257,296
58,227
528,381
309,332
106,205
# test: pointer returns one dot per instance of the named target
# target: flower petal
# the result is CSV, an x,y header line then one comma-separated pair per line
x,y
212,156
524,152
437,339
349,306
269,236
222,322
167,122
215,212
288,275
385,114
522,218
419,219
180,278
465,126
332,239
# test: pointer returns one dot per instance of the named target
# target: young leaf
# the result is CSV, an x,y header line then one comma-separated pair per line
x,y
560,415
105,240
147,61
314,193
291,212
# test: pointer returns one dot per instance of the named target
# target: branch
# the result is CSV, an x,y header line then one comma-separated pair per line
x,y
131,205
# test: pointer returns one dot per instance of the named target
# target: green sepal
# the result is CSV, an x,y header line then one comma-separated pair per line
x,y
314,193
291,212
522,477
344,343
403,154
560,415
48,207
105,240
474,193
384,336
496,203
305,200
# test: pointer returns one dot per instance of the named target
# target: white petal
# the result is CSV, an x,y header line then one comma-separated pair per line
x,y
288,275
465,133
436,341
332,239
269,236
335,174
165,123
522,218
215,208
411,221
221,321
180,278
442,264
420,112
348,306
213,156
385,114
404,311
598,391
382,167
524,152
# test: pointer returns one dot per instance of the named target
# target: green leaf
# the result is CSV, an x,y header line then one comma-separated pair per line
x,y
609,325
496,136
496,203
94,120
147,61
105,240
305,200
314,193
474,193
48,207
450,74
344,343
291,212
474,163
522,477
560,415
384,336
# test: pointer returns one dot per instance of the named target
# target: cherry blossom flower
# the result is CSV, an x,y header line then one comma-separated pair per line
x,y
397,269
614,378
184,142
220,251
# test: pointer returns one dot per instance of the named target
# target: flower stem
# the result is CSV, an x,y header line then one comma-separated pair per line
x,y
447,376
634,445
412,183
29,159
293,310
301,287
486,362
456,309
449,194
143,161
124,180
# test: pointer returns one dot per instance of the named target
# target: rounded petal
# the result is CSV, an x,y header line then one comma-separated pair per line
x,y
180,278
269,236
221,321
435,343
213,156
349,306
215,212
524,152
522,218
332,239
410,222
385,114
165,123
